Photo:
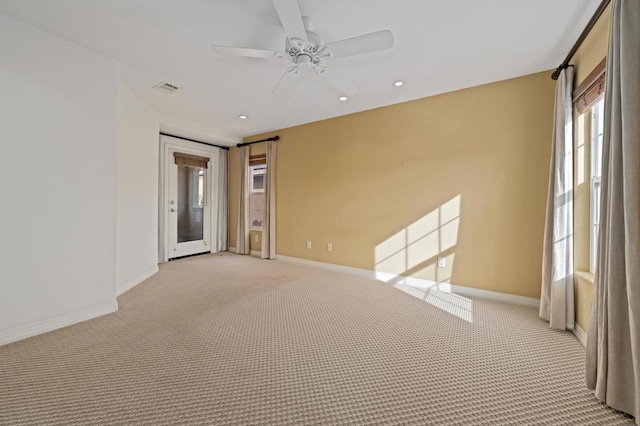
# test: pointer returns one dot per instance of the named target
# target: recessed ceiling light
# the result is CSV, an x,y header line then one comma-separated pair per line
x,y
398,83
243,117
343,98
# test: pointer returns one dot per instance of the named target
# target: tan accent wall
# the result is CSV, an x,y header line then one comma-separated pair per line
x,y
461,175
593,48
592,51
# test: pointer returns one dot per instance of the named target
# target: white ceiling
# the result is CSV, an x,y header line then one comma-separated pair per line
x,y
440,46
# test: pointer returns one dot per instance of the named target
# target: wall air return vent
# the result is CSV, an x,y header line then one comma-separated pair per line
x,y
166,87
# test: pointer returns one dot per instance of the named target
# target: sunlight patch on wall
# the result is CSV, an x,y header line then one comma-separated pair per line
x,y
409,259
417,246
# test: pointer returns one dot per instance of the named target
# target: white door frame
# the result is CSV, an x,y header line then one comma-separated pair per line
x,y
168,145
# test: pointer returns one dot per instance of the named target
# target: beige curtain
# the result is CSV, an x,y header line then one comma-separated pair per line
x,y
613,345
269,218
556,299
223,200
244,237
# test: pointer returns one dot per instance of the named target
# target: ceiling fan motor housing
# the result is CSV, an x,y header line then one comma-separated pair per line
x,y
310,51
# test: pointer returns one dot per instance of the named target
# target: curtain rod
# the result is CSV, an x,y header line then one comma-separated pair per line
x,y
191,140
273,139
585,33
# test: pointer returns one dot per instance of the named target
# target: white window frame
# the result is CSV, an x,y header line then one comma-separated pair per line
x,y
260,169
597,130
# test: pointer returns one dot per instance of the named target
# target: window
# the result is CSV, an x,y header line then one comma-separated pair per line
x,y
256,183
201,188
597,128
197,182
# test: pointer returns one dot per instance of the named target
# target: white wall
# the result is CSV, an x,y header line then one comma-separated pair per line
x,y
138,151
58,126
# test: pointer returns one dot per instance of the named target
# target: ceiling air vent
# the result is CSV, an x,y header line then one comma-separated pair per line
x,y
166,87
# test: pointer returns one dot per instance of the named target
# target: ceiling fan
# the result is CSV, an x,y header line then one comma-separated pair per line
x,y
308,52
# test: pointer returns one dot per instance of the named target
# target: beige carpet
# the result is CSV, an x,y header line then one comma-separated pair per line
x,y
227,339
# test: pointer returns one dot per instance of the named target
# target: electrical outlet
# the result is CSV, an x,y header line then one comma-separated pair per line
x,y
309,244
329,247
442,262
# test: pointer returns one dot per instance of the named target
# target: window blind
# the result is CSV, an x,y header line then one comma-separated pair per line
x,y
257,160
190,160
591,88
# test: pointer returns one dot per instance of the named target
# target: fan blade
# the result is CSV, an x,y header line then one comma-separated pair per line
x,y
248,53
288,81
336,83
290,18
367,43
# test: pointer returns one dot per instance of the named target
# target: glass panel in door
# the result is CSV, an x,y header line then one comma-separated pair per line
x,y
190,201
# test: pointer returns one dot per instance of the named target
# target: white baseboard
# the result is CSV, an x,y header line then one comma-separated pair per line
x,y
124,287
497,296
232,250
418,282
580,334
330,266
50,324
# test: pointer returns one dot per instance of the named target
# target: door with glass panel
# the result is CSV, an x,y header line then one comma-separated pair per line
x,y
189,208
